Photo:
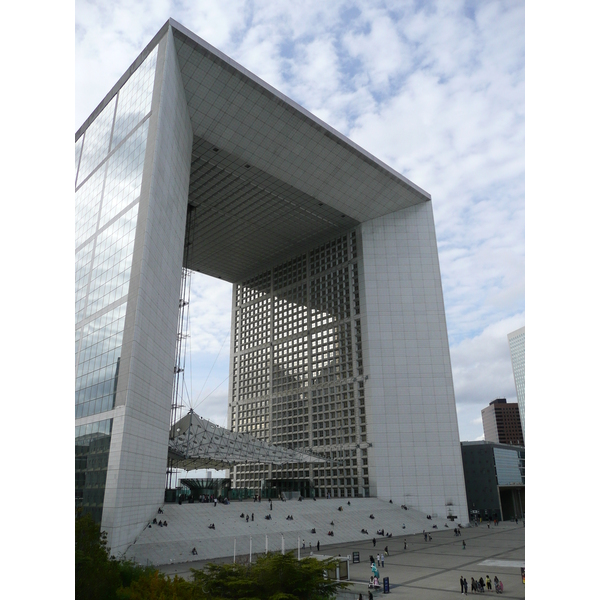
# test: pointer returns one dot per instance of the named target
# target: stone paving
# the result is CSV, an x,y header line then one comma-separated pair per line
x,y
425,570
188,527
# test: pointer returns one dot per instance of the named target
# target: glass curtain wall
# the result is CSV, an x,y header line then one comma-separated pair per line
x,y
109,161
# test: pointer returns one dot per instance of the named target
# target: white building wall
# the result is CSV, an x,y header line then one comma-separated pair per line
x,y
415,458
138,458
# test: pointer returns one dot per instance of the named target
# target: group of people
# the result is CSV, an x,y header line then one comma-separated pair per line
x,y
160,523
247,517
203,499
289,518
479,585
379,558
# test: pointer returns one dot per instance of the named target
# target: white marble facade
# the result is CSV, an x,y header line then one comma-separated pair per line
x,y
181,134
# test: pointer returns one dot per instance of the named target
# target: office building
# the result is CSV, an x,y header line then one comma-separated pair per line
x,y
495,480
516,343
501,422
339,341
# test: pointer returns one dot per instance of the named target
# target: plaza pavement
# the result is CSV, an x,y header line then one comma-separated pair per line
x,y
426,570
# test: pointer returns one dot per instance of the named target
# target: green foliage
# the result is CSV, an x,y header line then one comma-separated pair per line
x,y
96,575
272,577
156,586
130,571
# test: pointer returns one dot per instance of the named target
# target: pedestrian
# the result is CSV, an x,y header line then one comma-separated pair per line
x,y
464,544
405,547
310,546
462,585
488,582
374,542
466,586
386,551
378,561
252,516
318,546
303,545
424,535
473,585
382,560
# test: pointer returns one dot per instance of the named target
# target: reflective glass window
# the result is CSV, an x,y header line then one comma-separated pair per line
x,y
108,187
83,263
98,366
112,262
510,469
96,141
135,99
124,174
92,447
87,207
78,146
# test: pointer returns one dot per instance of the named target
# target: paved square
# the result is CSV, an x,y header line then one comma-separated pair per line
x,y
430,570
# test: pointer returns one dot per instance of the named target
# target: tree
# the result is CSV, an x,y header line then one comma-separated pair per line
x,y
96,575
157,586
273,577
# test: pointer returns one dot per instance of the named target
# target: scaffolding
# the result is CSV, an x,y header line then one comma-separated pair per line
x,y
177,399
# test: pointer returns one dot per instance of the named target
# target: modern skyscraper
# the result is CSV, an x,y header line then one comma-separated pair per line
x,y
516,343
501,422
339,338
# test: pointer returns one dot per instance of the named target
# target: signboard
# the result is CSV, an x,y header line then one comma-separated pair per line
x,y
356,557
386,585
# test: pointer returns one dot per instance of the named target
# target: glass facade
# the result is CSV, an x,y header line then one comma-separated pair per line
x,y
92,446
510,466
297,377
516,343
109,161
109,164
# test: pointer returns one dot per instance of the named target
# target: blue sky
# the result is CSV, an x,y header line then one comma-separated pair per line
x,y
434,89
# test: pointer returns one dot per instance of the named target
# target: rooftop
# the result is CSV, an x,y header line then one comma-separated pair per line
x,y
268,178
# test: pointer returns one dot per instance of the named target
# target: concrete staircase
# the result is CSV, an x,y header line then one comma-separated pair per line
x,y
188,527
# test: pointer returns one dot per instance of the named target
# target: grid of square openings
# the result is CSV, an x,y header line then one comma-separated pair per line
x,y
290,419
290,312
290,365
251,374
255,323
332,354
329,255
252,418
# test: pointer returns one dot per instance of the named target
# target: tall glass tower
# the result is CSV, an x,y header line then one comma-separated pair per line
x,y
516,343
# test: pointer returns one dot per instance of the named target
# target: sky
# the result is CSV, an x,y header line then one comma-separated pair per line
x,y
434,89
